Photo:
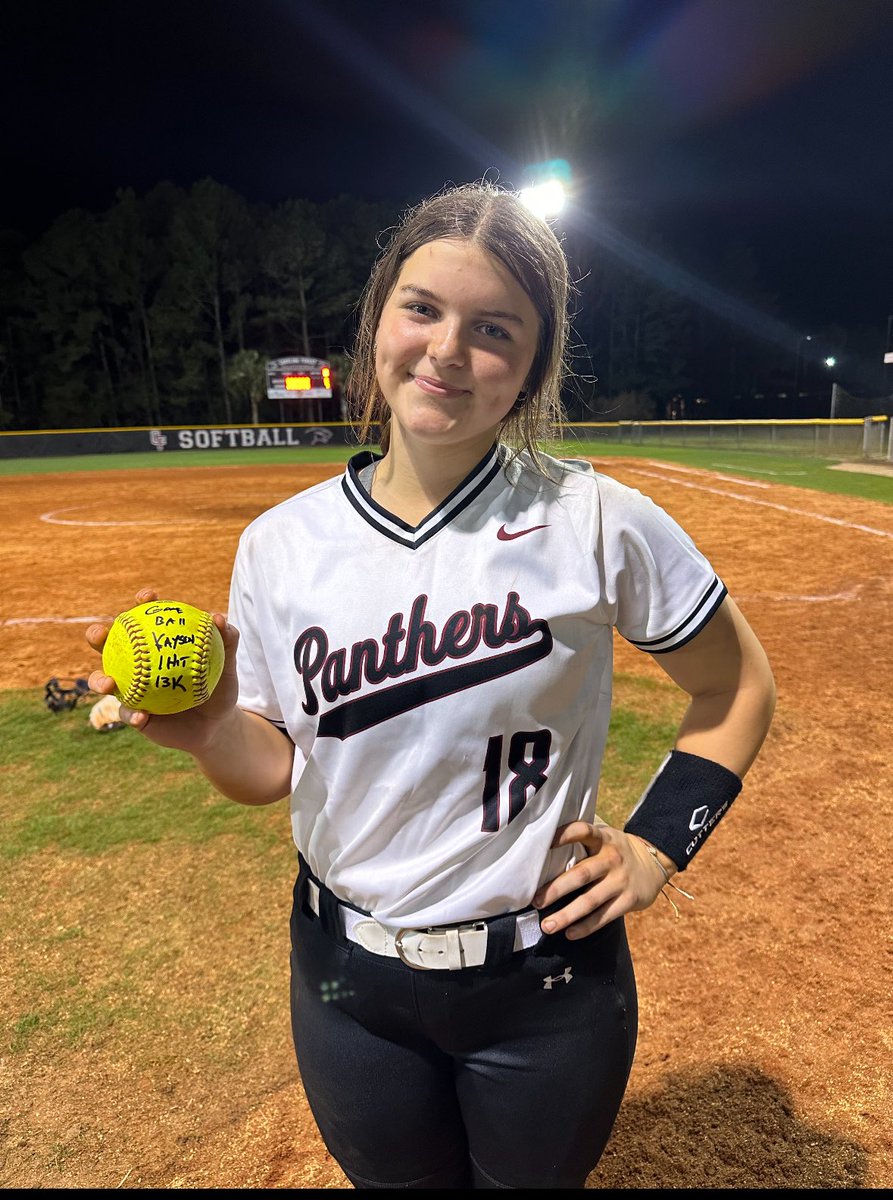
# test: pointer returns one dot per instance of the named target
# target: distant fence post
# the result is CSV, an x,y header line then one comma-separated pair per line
x,y
873,430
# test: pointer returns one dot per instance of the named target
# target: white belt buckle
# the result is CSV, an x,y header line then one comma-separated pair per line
x,y
398,946
447,936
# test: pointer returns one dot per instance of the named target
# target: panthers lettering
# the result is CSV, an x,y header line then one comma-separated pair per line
x,y
407,645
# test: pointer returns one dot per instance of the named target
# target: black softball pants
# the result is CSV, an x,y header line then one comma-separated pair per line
x,y
488,1077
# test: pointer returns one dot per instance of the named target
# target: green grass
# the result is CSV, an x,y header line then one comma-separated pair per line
x,y
68,788
70,1016
104,945
796,470
644,719
792,470
110,952
142,460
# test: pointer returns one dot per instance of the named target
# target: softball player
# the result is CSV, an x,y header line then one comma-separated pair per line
x,y
419,653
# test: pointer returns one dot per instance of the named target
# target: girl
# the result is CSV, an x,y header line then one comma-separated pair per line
x,y
419,654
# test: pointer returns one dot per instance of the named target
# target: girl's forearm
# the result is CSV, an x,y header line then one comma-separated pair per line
x,y
249,760
729,727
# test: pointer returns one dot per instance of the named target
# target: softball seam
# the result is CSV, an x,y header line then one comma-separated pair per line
x,y
142,666
200,683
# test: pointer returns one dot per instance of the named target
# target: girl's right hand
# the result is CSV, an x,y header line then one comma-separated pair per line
x,y
196,729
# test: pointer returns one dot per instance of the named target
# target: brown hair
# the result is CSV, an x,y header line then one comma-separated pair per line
x,y
498,222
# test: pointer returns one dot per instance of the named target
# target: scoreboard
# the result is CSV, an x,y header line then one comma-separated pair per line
x,y
299,379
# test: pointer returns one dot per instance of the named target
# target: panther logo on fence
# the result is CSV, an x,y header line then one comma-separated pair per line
x,y
320,436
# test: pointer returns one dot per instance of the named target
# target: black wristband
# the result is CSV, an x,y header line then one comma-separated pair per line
x,y
683,804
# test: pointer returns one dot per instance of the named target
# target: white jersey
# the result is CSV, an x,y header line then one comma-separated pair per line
x,y
448,686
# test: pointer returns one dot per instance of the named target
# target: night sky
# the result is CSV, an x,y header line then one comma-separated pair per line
x,y
764,121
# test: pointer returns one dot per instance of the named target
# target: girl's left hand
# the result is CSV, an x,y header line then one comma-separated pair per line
x,y
618,876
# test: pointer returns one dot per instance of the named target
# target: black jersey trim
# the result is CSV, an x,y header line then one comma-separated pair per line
x,y
682,624
399,531
685,630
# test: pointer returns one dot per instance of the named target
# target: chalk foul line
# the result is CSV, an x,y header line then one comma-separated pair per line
x,y
759,470
787,508
754,483
57,620
836,597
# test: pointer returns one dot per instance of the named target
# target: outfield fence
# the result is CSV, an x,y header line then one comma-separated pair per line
x,y
132,439
867,438
850,437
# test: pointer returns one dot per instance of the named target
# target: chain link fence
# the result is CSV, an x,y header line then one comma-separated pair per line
x,y
855,438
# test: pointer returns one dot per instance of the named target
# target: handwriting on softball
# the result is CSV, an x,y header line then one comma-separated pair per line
x,y
170,643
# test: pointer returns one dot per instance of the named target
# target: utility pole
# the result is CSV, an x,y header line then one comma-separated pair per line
x,y
806,337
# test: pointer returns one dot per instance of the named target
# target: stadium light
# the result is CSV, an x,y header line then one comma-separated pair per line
x,y
545,199
830,361
547,187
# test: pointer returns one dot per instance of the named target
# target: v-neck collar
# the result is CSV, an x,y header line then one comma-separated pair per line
x,y
399,531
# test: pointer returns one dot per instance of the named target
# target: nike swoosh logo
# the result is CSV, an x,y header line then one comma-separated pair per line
x,y
504,536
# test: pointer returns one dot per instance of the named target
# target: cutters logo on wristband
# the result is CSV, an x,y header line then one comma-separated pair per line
x,y
666,817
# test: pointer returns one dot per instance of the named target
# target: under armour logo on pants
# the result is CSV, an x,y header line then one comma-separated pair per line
x,y
548,980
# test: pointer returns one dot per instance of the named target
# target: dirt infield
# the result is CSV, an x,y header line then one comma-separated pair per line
x,y
765,1039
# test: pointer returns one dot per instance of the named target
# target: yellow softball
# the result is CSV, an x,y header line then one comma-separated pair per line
x,y
164,656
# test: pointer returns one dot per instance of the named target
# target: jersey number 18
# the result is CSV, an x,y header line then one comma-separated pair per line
x,y
528,771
